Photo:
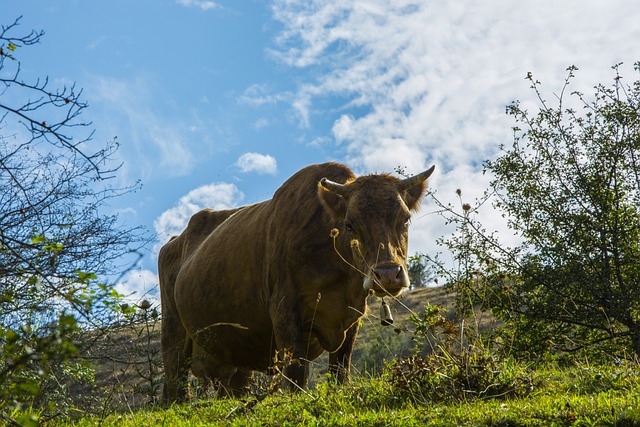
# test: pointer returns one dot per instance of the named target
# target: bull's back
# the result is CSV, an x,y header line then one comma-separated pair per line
x,y
200,226
234,244
173,254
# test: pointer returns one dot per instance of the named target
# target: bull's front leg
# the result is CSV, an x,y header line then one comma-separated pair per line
x,y
340,360
296,374
287,324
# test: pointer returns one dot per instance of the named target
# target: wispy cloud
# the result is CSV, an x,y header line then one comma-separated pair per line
x,y
261,123
93,44
428,82
435,76
257,95
156,143
258,163
200,4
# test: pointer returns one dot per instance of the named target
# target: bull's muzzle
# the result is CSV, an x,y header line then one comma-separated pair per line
x,y
387,280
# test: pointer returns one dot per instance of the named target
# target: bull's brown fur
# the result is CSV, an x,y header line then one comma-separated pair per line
x,y
270,277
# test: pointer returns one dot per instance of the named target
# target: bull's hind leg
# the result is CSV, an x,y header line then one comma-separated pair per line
x,y
176,355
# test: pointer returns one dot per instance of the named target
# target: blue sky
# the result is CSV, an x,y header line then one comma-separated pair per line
x,y
216,103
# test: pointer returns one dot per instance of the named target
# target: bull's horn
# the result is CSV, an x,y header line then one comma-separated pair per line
x,y
417,179
333,186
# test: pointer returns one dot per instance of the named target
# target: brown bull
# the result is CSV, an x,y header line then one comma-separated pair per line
x,y
289,274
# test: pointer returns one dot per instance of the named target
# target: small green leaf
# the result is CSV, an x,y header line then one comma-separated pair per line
x,y
84,276
38,238
55,247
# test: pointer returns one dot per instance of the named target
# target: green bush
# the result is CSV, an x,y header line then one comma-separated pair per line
x,y
461,365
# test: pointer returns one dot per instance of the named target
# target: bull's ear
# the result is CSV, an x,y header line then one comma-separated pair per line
x,y
334,203
415,187
413,195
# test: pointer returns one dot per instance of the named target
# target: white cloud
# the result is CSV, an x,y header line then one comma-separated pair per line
x,y
424,83
201,4
261,123
439,74
258,95
397,152
214,196
138,285
256,162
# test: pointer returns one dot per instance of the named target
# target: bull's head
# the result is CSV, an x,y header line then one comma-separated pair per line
x,y
374,212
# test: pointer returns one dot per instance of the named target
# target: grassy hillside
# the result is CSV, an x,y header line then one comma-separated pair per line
x,y
447,384
128,361
579,396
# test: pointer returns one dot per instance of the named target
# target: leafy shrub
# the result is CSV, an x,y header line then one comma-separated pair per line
x,y
460,366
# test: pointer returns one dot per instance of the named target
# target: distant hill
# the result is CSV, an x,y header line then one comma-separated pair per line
x,y
128,361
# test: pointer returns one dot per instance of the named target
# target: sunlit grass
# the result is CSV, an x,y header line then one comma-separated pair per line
x,y
591,396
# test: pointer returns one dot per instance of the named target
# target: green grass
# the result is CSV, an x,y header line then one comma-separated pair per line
x,y
453,385
577,396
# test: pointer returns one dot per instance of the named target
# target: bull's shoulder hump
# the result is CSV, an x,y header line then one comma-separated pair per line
x,y
331,170
211,217
305,181
205,221
170,250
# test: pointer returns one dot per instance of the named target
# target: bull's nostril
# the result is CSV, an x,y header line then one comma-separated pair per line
x,y
388,274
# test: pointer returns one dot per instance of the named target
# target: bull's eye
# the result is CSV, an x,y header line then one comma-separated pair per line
x,y
348,227
407,222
